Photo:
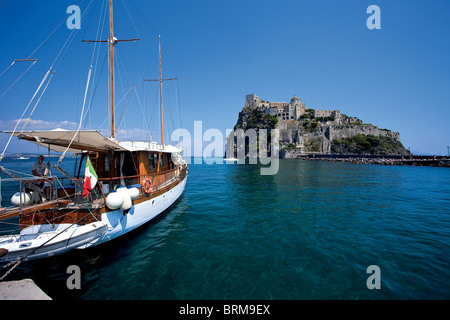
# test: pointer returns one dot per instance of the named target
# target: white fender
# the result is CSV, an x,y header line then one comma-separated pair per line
x,y
23,197
127,203
133,192
114,200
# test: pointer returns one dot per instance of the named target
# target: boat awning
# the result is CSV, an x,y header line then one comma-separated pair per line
x,y
148,146
58,140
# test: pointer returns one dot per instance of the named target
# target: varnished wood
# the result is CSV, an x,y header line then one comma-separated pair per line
x,y
58,211
160,91
32,208
111,62
80,217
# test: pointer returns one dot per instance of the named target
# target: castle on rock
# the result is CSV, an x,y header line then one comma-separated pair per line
x,y
286,111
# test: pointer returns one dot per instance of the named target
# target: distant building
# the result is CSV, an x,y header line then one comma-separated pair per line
x,y
326,113
283,110
286,111
252,101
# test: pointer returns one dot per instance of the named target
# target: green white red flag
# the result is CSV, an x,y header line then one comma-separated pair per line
x,y
90,178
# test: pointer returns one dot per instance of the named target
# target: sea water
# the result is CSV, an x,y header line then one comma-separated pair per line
x,y
311,231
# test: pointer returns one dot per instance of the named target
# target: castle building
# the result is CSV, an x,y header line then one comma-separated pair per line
x,y
283,110
326,113
252,101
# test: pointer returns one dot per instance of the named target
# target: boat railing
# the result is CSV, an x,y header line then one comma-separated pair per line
x,y
36,189
159,180
53,188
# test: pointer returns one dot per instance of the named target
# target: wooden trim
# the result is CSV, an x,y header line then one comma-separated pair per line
x,y
33,208
135,176
41,209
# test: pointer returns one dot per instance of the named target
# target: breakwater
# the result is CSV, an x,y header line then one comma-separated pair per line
x,y
412,160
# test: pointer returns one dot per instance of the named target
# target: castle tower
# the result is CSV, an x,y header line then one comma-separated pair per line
x,y
295,99
299,107
252,101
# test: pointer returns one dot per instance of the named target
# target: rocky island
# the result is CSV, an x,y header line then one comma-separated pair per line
x,y
305,131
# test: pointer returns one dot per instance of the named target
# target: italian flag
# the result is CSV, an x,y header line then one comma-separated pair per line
x,y
90,178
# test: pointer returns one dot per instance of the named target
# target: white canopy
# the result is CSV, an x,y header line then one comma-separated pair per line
x,y
58,140
87,140
148,146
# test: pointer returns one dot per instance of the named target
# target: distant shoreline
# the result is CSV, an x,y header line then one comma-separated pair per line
x,y
412,160
33,155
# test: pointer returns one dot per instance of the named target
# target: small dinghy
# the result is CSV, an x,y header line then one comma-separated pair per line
x,y
45,240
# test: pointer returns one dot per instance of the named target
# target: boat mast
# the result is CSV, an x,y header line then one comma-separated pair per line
x,y
111,56
160,91
112,42
161,80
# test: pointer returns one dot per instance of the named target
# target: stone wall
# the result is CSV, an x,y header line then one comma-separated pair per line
x,y
348,131
288,131
320,139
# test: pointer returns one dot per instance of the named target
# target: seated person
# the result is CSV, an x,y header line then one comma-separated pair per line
x,y
39,169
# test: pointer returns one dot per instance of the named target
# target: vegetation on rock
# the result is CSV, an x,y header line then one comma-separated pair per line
x,y
368,144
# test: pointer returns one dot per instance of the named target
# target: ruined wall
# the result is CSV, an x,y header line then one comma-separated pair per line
x,y
348,131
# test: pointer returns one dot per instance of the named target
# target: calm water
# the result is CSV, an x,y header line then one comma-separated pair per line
x,y
309,232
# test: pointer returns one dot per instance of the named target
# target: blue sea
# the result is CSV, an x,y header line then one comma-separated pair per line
x,y
309,232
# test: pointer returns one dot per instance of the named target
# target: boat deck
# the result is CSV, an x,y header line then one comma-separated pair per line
x,y
9,213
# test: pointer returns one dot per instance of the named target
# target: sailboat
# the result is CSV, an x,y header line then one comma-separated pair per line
x,y
122,186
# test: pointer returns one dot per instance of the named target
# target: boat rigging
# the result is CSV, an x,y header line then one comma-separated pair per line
x,y
122,186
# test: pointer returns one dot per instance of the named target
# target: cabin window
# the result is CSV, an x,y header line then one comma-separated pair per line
x,y
107,164
151,160
127,164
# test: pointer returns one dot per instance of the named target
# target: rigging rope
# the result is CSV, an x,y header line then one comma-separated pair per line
x,y
34,108
81,117
8,68
128,94
62,51
143,114
100,23
143,16
17,78
132,21
14,131
64,20
69,39
93,92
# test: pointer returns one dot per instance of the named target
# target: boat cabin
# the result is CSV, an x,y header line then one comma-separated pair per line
x,y
149,167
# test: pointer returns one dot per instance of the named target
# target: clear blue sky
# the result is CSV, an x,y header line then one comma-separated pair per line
x,y
397,77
